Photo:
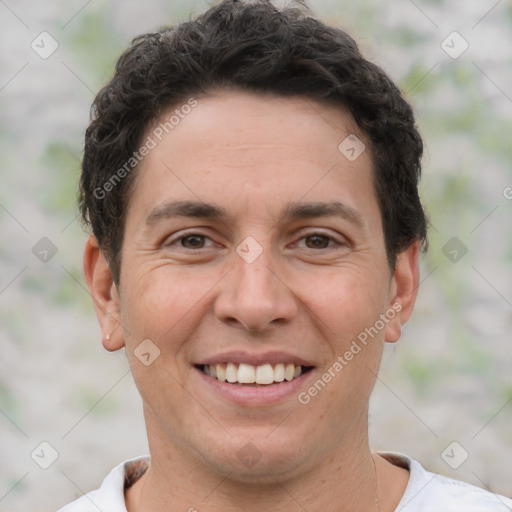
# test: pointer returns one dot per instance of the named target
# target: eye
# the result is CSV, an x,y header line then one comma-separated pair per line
x,y
314,240
191,241
319,240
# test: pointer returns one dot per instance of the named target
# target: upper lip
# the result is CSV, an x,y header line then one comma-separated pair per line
x,y
255,359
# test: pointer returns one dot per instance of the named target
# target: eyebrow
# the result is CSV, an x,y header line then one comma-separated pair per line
x,y
293,211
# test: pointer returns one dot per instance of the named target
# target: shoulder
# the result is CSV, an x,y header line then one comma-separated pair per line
x,y
431,492
110,496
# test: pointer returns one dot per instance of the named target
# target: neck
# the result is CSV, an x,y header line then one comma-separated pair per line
x,y
179,480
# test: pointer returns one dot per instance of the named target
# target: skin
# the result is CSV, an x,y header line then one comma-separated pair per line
x,y
252,155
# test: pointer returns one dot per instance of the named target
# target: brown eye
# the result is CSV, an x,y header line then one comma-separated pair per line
x,y
317,241
192,242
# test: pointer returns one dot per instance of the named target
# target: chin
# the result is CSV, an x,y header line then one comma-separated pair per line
x,y
260,458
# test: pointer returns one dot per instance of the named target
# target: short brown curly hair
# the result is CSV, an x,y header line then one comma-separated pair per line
x,y
258,47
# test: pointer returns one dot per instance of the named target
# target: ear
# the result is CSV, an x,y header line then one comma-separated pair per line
x,y
104,294
403,291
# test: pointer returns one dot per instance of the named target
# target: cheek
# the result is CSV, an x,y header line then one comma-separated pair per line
x,y
163,306
347,302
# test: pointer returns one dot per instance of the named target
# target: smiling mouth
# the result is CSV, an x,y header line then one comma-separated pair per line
x,y
247,374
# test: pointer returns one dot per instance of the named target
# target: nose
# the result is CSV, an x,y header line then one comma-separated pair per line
x,y
254,295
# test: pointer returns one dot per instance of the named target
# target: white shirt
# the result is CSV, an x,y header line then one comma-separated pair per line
x,y
425,492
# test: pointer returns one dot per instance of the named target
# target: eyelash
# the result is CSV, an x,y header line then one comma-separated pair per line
x,y
307,235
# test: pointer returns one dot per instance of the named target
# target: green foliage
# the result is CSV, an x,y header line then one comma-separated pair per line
x,y
418,79
62,166
8,402
420,372
405,37
69,292
95,44
88,399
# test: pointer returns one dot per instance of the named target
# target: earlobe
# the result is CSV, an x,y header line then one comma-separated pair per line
x,y
104,294
403,291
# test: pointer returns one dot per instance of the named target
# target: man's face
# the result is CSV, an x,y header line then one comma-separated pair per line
x,y
255,286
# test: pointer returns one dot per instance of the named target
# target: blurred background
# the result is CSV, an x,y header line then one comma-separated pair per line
x,y
444,394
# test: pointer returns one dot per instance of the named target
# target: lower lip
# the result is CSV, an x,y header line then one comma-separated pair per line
x,y
256,395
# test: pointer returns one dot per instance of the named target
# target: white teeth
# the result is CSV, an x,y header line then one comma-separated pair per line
x,y
250,374
289,371
246,374
231,373
221,372
279,372
264,374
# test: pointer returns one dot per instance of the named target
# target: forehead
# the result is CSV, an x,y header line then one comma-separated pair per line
x,y
243,150
234,118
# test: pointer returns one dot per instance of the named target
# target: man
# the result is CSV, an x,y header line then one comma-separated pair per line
x,y
251,184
